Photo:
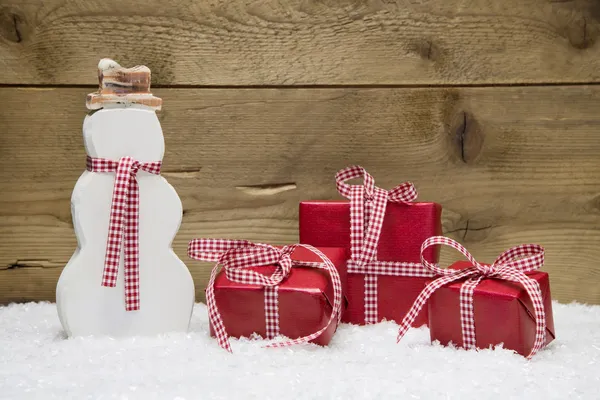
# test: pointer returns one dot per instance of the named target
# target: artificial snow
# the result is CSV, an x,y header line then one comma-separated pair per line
x,y
38,362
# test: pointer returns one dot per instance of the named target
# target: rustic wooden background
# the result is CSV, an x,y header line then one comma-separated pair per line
x,y
491,107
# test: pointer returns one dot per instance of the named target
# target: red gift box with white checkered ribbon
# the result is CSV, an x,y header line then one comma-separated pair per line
x,y
512,265
123,226
367,210
237,258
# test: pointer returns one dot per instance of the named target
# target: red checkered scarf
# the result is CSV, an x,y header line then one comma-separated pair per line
x,y
510,265
123,223
237,256
367,210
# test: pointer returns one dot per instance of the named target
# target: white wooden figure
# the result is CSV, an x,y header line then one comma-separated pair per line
x,y
125,124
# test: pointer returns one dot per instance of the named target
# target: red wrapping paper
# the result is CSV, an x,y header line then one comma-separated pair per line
x,y
503,313
305,300
405,227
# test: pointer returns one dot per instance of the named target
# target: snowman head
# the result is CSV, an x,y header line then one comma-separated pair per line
x,y
117,132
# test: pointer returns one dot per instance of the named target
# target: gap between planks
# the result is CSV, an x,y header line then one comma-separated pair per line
x,y
341,86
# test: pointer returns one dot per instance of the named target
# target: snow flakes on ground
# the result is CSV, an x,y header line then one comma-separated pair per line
x,y
38,362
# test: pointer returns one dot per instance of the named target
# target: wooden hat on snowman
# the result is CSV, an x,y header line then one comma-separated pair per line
x,y
124,278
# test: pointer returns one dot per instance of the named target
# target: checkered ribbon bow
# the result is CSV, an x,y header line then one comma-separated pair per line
x,y
367,210
237,256
510,265
123,223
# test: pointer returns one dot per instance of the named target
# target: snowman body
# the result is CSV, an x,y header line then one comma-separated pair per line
x,y
166,288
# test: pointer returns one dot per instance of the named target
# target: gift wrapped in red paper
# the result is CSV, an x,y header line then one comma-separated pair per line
x,y
295,291
384,274
474,305
502,310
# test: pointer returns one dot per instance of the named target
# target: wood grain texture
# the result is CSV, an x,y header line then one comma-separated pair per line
x,y
510,165
303,42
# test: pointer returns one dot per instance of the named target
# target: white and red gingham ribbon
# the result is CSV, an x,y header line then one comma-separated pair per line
x,y
510,265
123,223
367,210
237,256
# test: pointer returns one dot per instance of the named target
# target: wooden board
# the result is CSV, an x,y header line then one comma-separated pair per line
x,y
298,42
509,165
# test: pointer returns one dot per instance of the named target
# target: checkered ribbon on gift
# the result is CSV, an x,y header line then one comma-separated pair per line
x,y
510,265
123,223
237,256
367,210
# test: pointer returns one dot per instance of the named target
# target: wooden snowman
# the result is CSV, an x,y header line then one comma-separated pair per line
x,y
124,278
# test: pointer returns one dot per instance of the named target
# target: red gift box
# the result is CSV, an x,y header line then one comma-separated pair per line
x,y
305,300
405,226
502,309
294,291
476,305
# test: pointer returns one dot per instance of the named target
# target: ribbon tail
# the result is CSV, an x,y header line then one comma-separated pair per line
x,y
213,312
115,225
424,296
132,262
532,287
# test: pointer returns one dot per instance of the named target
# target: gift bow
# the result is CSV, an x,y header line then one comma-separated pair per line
x,y
236,257
123,224
510,265
367,210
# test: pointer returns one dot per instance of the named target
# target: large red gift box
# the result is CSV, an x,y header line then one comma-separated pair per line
x,y
305,299
503,313
405,227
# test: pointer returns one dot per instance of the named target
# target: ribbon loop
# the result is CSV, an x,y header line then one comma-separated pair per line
x,y
352,172
510,265
123,223
236,257
403,193
525,258
237,261
439,240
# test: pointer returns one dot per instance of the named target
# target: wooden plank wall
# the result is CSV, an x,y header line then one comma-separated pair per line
x,y
490,107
